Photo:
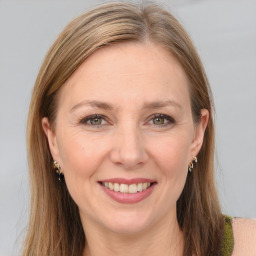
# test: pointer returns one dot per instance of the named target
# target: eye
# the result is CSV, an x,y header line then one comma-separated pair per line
x,y
159,120
162,120
93,120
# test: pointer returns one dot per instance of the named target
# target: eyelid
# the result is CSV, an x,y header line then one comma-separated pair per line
x,y
84,120
170,119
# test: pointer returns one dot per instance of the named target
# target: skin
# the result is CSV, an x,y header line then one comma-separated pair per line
x,y
130,143
244,236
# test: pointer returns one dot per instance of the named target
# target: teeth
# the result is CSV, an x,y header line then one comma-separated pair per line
x,y
124,188
144,186
116,187
110,185
139,187
133,189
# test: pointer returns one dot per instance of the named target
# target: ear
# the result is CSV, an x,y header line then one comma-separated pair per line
x,y
199,133
51,137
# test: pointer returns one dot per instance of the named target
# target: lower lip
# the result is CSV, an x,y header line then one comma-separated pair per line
x,y
127,198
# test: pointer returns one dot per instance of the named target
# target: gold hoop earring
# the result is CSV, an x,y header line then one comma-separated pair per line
x,y
57,169
191,164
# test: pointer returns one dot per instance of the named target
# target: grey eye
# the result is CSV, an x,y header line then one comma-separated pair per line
x,y
96,121
162,120
159,120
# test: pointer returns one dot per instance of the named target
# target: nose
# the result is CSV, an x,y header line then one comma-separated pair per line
x,y
128,149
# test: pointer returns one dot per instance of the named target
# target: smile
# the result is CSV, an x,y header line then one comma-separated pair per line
x,y
128,191
125,188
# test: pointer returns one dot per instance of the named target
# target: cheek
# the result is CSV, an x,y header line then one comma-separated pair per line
x,y
172,156
80,156
172,153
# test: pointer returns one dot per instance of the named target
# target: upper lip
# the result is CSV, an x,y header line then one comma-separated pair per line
x,y
128,181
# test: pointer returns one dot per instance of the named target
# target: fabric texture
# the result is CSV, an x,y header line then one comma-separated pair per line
x,y
228,237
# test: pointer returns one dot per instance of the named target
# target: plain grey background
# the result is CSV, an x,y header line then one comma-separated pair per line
x,y
224,33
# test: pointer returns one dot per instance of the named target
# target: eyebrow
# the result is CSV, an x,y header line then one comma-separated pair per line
x,y
108,106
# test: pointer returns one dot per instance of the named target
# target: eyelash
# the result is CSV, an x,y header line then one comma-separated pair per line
x,y
169,119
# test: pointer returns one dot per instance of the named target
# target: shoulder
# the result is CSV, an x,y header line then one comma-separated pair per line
x,y
244,231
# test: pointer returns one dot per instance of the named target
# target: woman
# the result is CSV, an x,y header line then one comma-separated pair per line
x,y
122,112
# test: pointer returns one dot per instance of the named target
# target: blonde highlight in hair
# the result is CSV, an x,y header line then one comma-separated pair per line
x,y
55,227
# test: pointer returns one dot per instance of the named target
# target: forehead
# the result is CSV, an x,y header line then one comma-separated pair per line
x,y
134,72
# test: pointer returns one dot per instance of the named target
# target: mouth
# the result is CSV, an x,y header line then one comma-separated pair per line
x,y
128,191
127,188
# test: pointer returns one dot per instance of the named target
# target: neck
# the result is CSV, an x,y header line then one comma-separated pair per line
x,y
163,238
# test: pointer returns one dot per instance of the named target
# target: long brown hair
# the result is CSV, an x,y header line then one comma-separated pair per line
x,y
55,227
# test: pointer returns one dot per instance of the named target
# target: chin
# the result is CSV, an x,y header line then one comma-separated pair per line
x,y
128,224
127,229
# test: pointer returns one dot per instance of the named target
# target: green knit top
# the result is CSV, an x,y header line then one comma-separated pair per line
x,y
228,238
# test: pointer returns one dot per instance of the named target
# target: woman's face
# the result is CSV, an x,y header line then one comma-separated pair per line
x,y
124,136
